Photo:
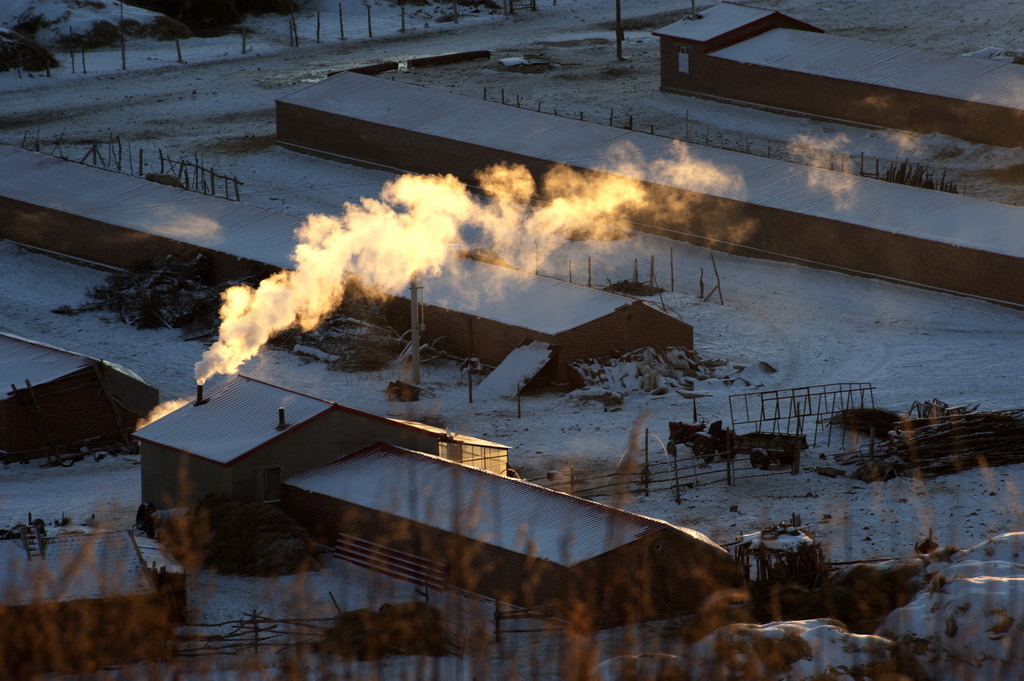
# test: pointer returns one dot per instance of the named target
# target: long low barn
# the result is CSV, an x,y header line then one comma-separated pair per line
x,y
480,310
736,202
444,526
760,56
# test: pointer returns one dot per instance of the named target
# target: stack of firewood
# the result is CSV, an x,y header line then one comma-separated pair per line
x,y
953,442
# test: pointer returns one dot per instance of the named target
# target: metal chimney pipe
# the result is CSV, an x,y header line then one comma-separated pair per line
x,y
281,425
199,395
415,336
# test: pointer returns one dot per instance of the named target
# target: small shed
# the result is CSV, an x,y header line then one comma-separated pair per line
x,y
55,401
508,308
244,436
686,43
747,54
447,526
71,602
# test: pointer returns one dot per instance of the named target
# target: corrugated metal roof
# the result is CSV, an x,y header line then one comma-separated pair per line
x,y
22,359
442,433
72,567
713,22
241,414
535,303
985,81
512,514
889,207
235,418
134,203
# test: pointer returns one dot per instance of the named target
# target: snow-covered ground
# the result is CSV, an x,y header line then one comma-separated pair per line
x,y
814,327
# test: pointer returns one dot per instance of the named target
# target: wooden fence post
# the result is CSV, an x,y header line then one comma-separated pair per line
x,y
672,270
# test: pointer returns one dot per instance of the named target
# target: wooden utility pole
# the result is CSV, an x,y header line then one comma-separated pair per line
x,y
414,296
618,29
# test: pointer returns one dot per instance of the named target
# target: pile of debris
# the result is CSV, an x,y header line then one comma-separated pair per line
x,y
173,292
657,371
949,443
633,288
357,336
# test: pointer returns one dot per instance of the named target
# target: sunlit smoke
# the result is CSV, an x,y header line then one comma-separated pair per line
x,y
383,240
172,223
828,153
159,411
410,228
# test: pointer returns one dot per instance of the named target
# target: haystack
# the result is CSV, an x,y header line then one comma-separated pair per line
x,y
254,539
236,538
20,51
411,628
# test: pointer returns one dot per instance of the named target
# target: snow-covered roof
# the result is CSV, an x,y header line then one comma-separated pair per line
x,y
885,206
241,415
512,514
236,417
439,433
514,297
510,296
24,360
518,367
72,567
714,21
985,81
134,203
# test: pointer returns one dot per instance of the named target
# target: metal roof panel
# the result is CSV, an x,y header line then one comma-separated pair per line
x,y
713,22
236,417
877,204
968,79
512,514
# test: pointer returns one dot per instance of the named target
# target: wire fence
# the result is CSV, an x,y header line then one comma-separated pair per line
x,y
256,633
672,476
113,154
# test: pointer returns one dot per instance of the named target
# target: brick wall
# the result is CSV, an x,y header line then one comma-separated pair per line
x,y
352,138
845,100
671,78
635,326
72,412
663,573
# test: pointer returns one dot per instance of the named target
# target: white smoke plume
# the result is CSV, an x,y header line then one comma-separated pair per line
x,y
409,229
159,411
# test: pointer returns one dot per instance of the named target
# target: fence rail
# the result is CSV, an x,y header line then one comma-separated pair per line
x,y
657,477
115,155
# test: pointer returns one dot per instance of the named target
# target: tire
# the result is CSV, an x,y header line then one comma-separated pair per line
x,y
672,448
702,449
759,459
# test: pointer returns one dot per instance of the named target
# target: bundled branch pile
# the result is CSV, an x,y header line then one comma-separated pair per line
x,y
866,420
173,292
954,442
633,288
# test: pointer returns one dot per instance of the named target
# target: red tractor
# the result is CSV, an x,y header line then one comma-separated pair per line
x,y
706,441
